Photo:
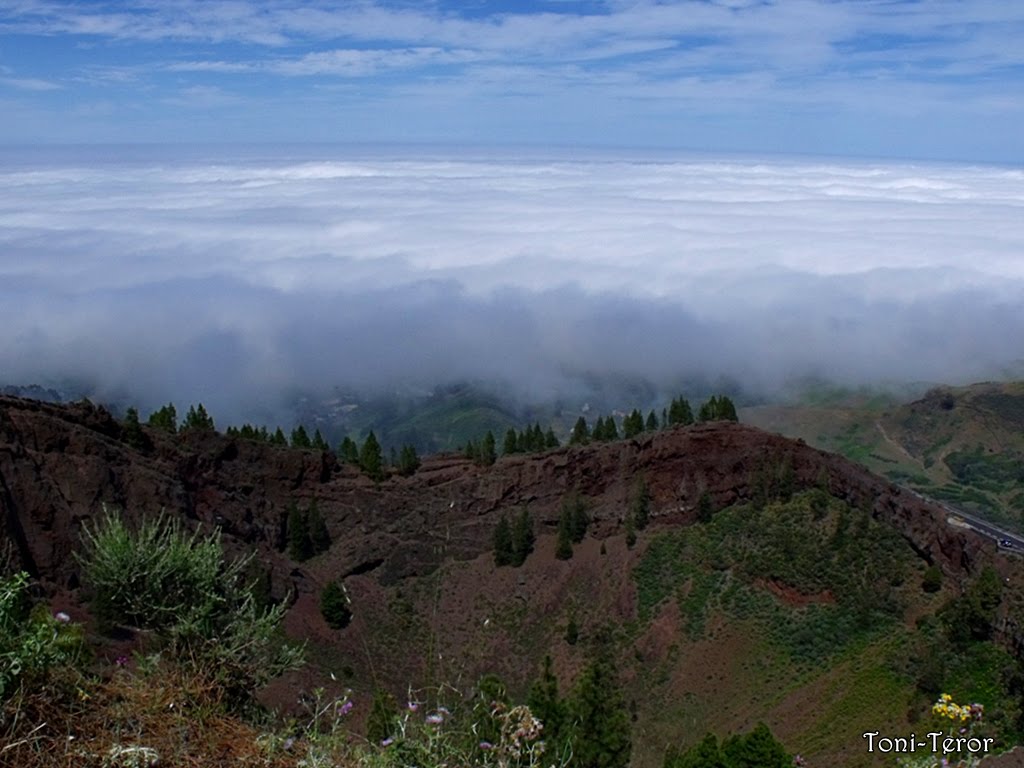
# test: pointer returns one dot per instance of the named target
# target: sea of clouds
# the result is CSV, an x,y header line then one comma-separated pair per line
x,y
240,279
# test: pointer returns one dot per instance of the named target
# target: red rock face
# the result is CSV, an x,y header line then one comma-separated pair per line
x,y
59,464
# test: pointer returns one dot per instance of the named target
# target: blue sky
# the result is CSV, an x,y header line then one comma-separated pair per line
x,y
939,79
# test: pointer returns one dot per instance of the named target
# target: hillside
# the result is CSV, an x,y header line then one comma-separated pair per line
x,y
798,603
963,445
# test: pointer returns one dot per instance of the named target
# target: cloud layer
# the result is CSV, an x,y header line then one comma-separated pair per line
x,y
241,280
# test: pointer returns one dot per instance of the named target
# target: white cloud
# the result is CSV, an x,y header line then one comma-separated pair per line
x,y
233,279
30,84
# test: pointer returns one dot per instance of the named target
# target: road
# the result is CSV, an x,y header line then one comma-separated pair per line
x,y
1007,541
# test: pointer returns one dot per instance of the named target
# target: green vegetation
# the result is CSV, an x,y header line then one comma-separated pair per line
x,y
531,440
166,419
757,749
371,460
334,606
640,505
842,565
198,419
307,532
408,461
717,408
600,729
160,578
32,640
513,542
132,430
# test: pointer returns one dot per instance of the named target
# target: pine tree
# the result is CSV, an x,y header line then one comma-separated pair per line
x,y
488,452
563,547
503,550
652,422
574,513
472,451
300,545
511,444
611,432
705,754
705,508
599,433
319,444
165,418
132,430
601,737
727,409
633,424
580,432
758,749
348,450
370,459
300,438
334,606
547,707
197,418
279,438
550,440
408,461
679,412
522,537
319,536
641,504
719,408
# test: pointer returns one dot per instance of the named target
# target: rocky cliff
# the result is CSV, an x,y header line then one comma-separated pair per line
x,y
60,464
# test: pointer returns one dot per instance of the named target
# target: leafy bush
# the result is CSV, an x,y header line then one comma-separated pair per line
x,y
31,640
161,578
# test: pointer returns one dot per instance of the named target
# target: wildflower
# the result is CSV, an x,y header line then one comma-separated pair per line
x,y
346,708
121,661
413,706
485,745
289,743
387,742
799,762
62,617
435,718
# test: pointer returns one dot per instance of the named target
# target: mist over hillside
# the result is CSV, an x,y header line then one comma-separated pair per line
x,y
247,280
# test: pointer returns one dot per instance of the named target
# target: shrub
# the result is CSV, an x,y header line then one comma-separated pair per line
x,y
178,585
932,580
31,640
334,606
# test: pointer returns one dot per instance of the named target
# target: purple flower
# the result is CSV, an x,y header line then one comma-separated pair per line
x,y
486,745
346,707
387,742
435,718
413,706
62,617
289,743
121,661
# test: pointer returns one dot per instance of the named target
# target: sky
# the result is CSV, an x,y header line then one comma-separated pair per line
x,y
926,79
